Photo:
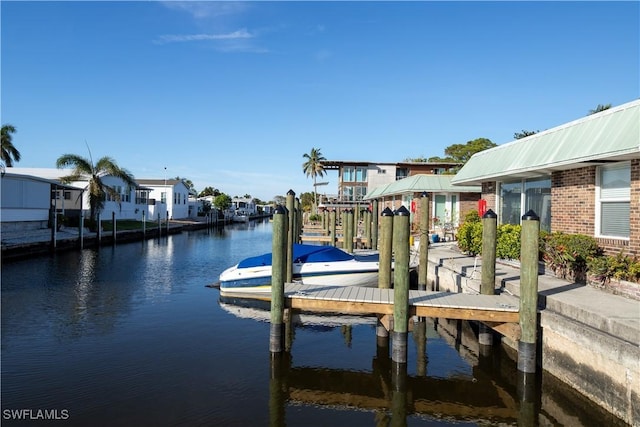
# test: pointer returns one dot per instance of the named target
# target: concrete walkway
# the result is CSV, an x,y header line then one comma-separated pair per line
x,y
615,315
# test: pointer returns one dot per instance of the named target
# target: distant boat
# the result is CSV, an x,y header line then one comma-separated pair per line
x,y
312,265
240,216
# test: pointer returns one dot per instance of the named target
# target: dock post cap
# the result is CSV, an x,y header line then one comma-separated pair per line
x,y
490,214
402,211
387,212
530,216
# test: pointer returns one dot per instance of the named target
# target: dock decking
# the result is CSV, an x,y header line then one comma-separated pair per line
x,y
361,300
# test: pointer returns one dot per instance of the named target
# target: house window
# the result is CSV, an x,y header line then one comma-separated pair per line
x,y
361,175
510,202
347,193
518,197
613,200
163,197
360,192
348,174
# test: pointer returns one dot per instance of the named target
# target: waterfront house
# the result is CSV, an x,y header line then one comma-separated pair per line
x,y
168,198
28,202
356,179
243,206
72,199
582,177
448,204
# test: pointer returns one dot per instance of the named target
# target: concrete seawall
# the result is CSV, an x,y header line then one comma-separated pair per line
x,y
589,339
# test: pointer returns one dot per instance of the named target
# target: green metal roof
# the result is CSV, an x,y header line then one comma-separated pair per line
x,y
611,135
421,183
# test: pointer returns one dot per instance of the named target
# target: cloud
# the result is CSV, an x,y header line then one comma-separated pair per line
x,y
236,35
210,9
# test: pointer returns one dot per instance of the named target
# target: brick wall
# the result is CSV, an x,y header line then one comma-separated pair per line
x,y
573,206
573,201
489,194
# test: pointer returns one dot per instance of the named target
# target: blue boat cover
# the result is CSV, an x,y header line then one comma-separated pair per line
x,y
301,253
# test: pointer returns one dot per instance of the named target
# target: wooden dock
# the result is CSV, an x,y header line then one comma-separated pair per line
x,y
493,309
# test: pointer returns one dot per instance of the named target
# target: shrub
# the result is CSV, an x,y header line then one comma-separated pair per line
x,y
508,241
315,218
567,254
619,267
470,237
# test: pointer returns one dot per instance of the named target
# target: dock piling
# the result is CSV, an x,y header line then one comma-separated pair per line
x,y
374,224
386,249
424,242
488,278
290,206
528,292
401,228
278,260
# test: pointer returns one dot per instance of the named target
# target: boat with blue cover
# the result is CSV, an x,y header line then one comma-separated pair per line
x,y
312,265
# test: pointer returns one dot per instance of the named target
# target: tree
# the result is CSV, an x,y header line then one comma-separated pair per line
x,y
209,191
461,153
222,202
313,167
306,201
10,153
84,169
524,133
280,200
599,108
188,183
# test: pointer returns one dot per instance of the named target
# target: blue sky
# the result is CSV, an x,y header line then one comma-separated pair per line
x,y
232,94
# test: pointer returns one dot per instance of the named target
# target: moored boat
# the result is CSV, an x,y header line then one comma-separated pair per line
x,y
312,265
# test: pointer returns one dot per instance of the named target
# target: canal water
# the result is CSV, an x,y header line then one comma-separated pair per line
x,y
132,335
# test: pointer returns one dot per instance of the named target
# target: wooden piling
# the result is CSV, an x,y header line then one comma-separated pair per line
x,y
290,205
528,292
348,238
386,249
278,274
144,226
374,224
423,256
81,230
488,278
113,228
367,227
297,221
332,227
401,231
99,229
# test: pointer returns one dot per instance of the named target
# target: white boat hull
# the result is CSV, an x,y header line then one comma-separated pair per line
x,y
343,273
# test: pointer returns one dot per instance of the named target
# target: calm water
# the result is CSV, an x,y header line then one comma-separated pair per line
x,y
132,336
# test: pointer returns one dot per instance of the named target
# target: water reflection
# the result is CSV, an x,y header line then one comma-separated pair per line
x,y
387,390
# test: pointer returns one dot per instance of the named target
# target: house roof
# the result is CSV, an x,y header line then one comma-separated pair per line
x,y
611,135
40,179
421,183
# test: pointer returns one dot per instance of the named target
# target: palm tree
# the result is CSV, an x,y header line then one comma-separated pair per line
x,y
313,167
84,169
9,152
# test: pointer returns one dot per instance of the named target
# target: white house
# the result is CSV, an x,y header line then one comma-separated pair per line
x,y
132,205
168,196
27,202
